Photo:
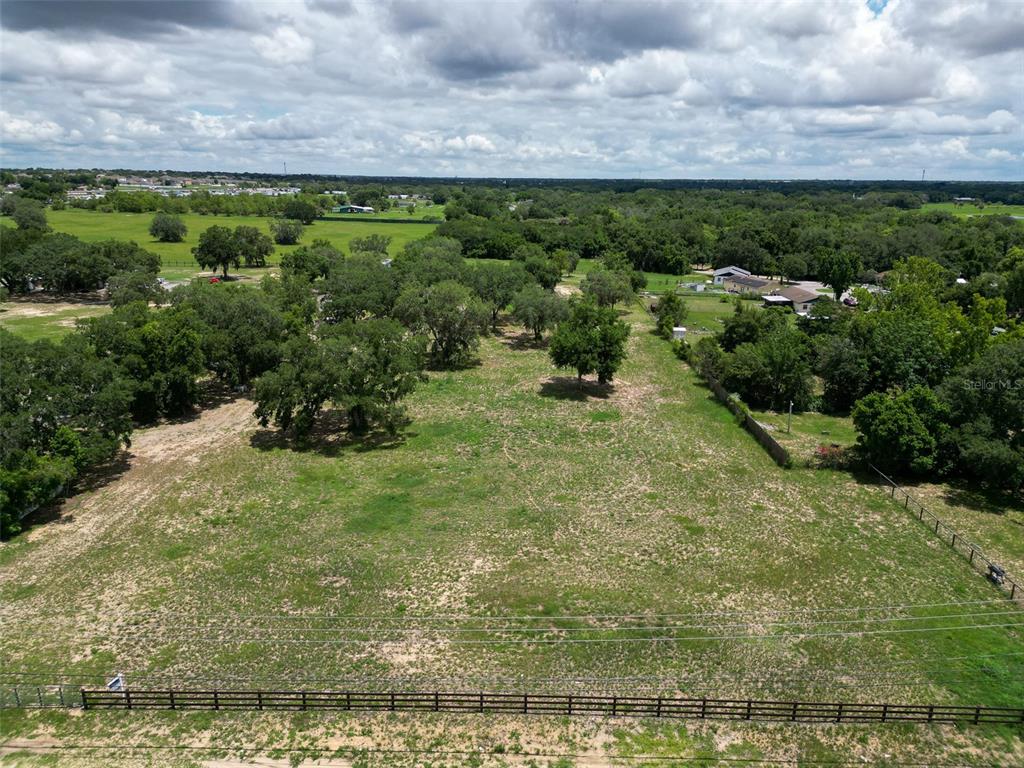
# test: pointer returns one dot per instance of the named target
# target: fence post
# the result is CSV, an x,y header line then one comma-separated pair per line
x,y
39,696
885,712
615,704
569,712
170,698
703,709
481,701
657,711
839,712
348,700
60,692
931,712
750,704
795,705
392,701
17,698
977,714
304,701
128,698
216,700
81,691
259,700
437,701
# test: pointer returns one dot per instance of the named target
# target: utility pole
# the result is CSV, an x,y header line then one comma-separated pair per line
x,y
789,422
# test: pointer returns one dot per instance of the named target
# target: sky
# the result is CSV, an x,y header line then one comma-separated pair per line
x,y
539,88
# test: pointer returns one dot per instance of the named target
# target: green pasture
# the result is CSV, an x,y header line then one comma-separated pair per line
x,y
970,209
93,225
228,552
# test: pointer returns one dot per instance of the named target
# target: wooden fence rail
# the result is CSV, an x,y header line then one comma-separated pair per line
x,y
953,538
548,704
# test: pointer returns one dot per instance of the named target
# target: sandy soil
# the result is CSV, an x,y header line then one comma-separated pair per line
x,y
156,458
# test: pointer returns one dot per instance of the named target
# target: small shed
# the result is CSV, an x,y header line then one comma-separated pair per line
x,y
679,333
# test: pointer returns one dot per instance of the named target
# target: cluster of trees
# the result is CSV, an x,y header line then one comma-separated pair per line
x,y
350,331
221,247
934,382
35,257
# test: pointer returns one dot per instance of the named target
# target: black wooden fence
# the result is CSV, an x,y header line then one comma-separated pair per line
x,y
950,535
549,704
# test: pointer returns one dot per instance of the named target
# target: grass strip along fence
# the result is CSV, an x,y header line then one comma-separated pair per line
x,y
528,704
752,425
953,538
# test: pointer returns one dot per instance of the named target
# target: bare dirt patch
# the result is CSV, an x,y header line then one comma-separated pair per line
x,y
156,458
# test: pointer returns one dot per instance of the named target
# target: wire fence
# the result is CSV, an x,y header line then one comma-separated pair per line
x,y
569,705
953,538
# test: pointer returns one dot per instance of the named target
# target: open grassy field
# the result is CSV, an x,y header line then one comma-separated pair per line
x,y
92,226
522,532
46,320
966,209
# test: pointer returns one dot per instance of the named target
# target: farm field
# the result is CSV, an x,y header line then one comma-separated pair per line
x,y
92,226
45,320
965,210
524,532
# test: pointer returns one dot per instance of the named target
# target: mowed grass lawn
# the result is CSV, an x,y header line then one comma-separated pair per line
x,y
92,226
225,554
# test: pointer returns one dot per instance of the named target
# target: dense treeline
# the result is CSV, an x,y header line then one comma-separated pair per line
x,y
767,233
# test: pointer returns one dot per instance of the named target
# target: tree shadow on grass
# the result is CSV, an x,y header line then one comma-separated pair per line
x,y
55,513
990,501
213,393
570,388
525,340
43,297
330,437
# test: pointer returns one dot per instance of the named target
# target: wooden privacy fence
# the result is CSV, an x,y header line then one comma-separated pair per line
x,y
951,536
549,704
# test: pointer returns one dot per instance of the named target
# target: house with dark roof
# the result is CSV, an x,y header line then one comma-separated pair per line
x,y
741,284
800,300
